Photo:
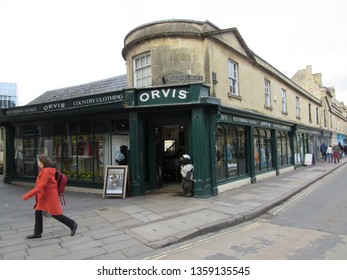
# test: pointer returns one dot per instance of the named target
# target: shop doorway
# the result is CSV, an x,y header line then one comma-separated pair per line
x,y
170,146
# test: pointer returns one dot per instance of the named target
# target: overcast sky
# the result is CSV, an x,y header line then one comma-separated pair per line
x,y
50,44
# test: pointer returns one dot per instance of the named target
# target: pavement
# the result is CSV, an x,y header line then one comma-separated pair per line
x,y
137,227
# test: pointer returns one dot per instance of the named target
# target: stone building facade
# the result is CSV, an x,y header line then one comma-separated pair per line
x,y
190,88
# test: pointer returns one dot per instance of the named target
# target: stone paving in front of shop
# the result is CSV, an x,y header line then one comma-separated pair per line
x,y
135,227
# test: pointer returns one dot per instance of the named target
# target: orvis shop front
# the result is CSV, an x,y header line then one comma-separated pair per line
x,y
228,147
164,124
82,136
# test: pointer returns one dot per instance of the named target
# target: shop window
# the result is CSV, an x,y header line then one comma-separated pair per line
x,y
30,165
289,155
231,149
45,141
257,150
283,148
18,156
262,150
98,146
242,151
231,152
220,153
267,161
75,148
298,149
236,151
27,152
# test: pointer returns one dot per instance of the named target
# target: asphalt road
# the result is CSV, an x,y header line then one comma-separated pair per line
x,y
310,226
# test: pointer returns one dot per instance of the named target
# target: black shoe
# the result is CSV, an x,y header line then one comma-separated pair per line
x,y
34,235
73,229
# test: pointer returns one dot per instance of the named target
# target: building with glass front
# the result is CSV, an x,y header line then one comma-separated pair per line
x,y
8,95
8,99
191,88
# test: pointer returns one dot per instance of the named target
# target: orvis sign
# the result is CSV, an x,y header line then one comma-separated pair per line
x,y
163,96
67,104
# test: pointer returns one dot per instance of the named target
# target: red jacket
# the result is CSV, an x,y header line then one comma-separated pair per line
x,y
46,191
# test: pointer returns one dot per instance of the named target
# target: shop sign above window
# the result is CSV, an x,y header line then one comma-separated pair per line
x,y
163,96
248,121
68,104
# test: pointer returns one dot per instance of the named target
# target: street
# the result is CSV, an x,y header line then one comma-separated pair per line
x,y
310,226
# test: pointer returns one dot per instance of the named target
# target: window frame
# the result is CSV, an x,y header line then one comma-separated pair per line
x,y
297,106
267,92
284,100
144,68
233,77
317,115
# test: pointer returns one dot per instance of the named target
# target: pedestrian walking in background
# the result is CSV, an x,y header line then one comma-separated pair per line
x,y
47,198
323,150
341,150
329,153
336,153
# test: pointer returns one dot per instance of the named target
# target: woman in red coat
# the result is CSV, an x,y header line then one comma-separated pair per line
x,y
47,198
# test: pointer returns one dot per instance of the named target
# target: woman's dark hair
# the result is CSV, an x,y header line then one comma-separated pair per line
x,y
46,161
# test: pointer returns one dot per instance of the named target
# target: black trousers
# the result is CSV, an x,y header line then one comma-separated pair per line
x,y
61,218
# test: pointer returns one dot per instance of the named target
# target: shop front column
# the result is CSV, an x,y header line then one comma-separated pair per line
x,y
275,151
251,155
136,170
200,152
9,155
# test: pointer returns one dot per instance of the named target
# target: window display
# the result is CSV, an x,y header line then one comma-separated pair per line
x,y
74,148
231,152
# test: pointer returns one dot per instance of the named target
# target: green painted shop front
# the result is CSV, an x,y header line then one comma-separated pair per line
x,y
81,135
158,125
249,145
164,124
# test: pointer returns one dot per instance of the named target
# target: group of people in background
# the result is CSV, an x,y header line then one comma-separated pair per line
x,y
333,152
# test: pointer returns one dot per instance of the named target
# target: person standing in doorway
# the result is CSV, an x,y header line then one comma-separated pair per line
x,y
47,198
